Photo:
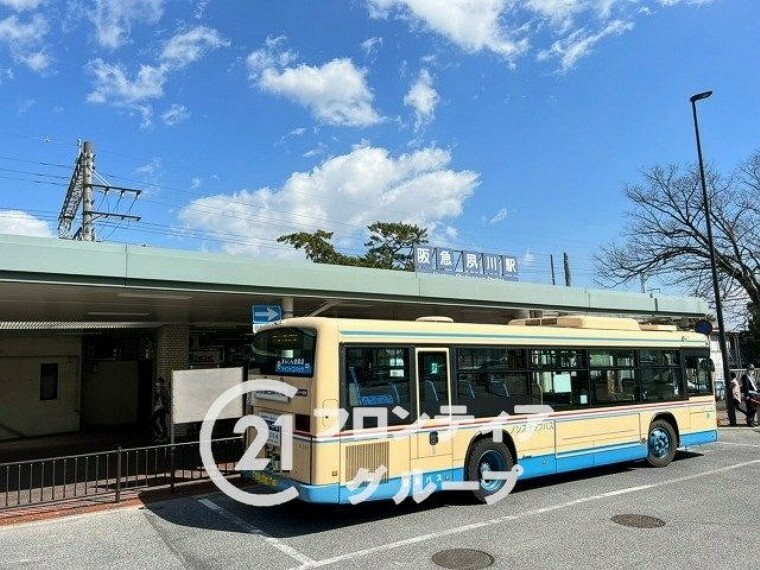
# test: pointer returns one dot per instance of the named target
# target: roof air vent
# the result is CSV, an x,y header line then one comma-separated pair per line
x,y
434,319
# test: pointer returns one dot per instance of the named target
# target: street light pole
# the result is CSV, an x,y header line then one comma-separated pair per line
x,y
716,287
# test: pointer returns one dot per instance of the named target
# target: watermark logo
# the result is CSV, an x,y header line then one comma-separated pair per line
x,y
249,461
275,432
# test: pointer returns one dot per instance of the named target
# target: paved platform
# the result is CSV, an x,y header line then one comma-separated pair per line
x,y
555,522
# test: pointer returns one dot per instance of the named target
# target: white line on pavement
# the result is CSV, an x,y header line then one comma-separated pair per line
x,y
740,444
533,512
245,525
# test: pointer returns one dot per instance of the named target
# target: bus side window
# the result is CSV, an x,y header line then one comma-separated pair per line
x,y
378,377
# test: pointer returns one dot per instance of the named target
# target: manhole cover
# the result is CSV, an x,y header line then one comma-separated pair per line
x,y
463,559
638,521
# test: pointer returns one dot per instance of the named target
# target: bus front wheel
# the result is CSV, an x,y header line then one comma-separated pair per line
x,y
661,443
488,455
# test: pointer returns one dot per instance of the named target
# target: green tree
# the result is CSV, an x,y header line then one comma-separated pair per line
x,y
390,246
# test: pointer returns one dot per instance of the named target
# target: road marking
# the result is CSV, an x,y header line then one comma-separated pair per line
x,y
248,527
740,444
508,518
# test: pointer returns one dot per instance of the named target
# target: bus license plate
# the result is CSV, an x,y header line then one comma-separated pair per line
x,y
264,479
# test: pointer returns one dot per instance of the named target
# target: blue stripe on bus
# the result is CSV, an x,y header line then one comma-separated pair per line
x,y
516,337
699,438
535,466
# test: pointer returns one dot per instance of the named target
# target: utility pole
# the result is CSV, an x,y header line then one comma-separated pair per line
x,y
80,191
551,260
643,283
88,166
568,279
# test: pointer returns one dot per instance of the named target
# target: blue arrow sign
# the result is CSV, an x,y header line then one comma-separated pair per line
x,y
263,314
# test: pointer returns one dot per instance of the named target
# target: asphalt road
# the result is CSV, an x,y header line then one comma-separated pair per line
x,y
709,500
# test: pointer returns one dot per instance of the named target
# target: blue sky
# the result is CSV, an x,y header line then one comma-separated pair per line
x,y
506,126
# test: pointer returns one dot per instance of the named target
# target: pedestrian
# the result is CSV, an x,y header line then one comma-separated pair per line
x,y
160,410
735,393
749,391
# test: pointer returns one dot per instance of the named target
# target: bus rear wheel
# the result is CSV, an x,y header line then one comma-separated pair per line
x,y
661,443
488,455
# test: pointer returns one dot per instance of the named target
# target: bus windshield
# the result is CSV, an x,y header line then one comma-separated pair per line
x,y
284,352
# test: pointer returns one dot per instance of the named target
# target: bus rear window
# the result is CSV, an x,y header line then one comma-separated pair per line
x,y
284,352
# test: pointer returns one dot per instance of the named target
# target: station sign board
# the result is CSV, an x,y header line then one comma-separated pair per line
x,y
429,259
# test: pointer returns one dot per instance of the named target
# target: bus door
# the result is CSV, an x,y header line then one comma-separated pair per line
x,y
432,445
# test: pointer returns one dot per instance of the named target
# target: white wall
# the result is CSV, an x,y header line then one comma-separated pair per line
x,y
20,406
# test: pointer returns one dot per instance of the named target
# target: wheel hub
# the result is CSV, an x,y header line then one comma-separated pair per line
x,y
659,442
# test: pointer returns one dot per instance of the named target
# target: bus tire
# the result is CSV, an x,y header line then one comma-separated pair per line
x,y
488,455
661,443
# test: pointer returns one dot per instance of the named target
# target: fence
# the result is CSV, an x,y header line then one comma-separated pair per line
x,y
54,479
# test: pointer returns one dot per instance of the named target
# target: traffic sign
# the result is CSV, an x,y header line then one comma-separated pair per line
x,y
703,326
263,314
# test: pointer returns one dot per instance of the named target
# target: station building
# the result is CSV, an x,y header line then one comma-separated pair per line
x,y
86,327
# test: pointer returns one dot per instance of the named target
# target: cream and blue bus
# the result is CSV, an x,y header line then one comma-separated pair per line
x,y
618,391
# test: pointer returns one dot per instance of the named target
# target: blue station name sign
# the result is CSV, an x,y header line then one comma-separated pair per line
x,y
428,259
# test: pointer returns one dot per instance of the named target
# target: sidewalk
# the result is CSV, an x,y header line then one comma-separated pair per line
x,y
741,420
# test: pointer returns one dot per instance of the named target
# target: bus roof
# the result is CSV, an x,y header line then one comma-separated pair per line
x,y
576,330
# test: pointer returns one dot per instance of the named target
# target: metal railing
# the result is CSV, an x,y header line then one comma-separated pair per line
x,y
54,479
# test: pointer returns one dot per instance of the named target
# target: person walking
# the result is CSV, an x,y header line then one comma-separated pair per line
x,y
160,410
735,393
749,391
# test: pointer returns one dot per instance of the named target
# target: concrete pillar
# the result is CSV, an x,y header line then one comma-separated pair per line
x,y
287,307
172,350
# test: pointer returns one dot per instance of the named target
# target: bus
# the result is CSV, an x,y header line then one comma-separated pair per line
x,y
614,390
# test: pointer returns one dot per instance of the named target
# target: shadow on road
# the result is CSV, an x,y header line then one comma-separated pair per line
x,y
296,518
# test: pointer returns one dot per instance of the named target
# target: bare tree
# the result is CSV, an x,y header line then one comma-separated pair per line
x,y
666,236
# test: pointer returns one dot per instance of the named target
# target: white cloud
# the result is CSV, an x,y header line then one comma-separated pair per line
x,y
474,26
336,93
25,104
423,99
25,41
112,83
21,5
499,216
558,12
188,47
316,151
195,183
344,194
18,222
269,57
113,19
175,114
570,49
371,47
509,27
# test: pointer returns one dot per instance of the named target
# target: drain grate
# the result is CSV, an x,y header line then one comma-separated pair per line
x,y
463,559
638,521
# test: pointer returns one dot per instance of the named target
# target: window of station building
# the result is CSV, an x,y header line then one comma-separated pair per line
x,y
613,376
379,377
49,381
491,380
560,378
661,378
698,368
